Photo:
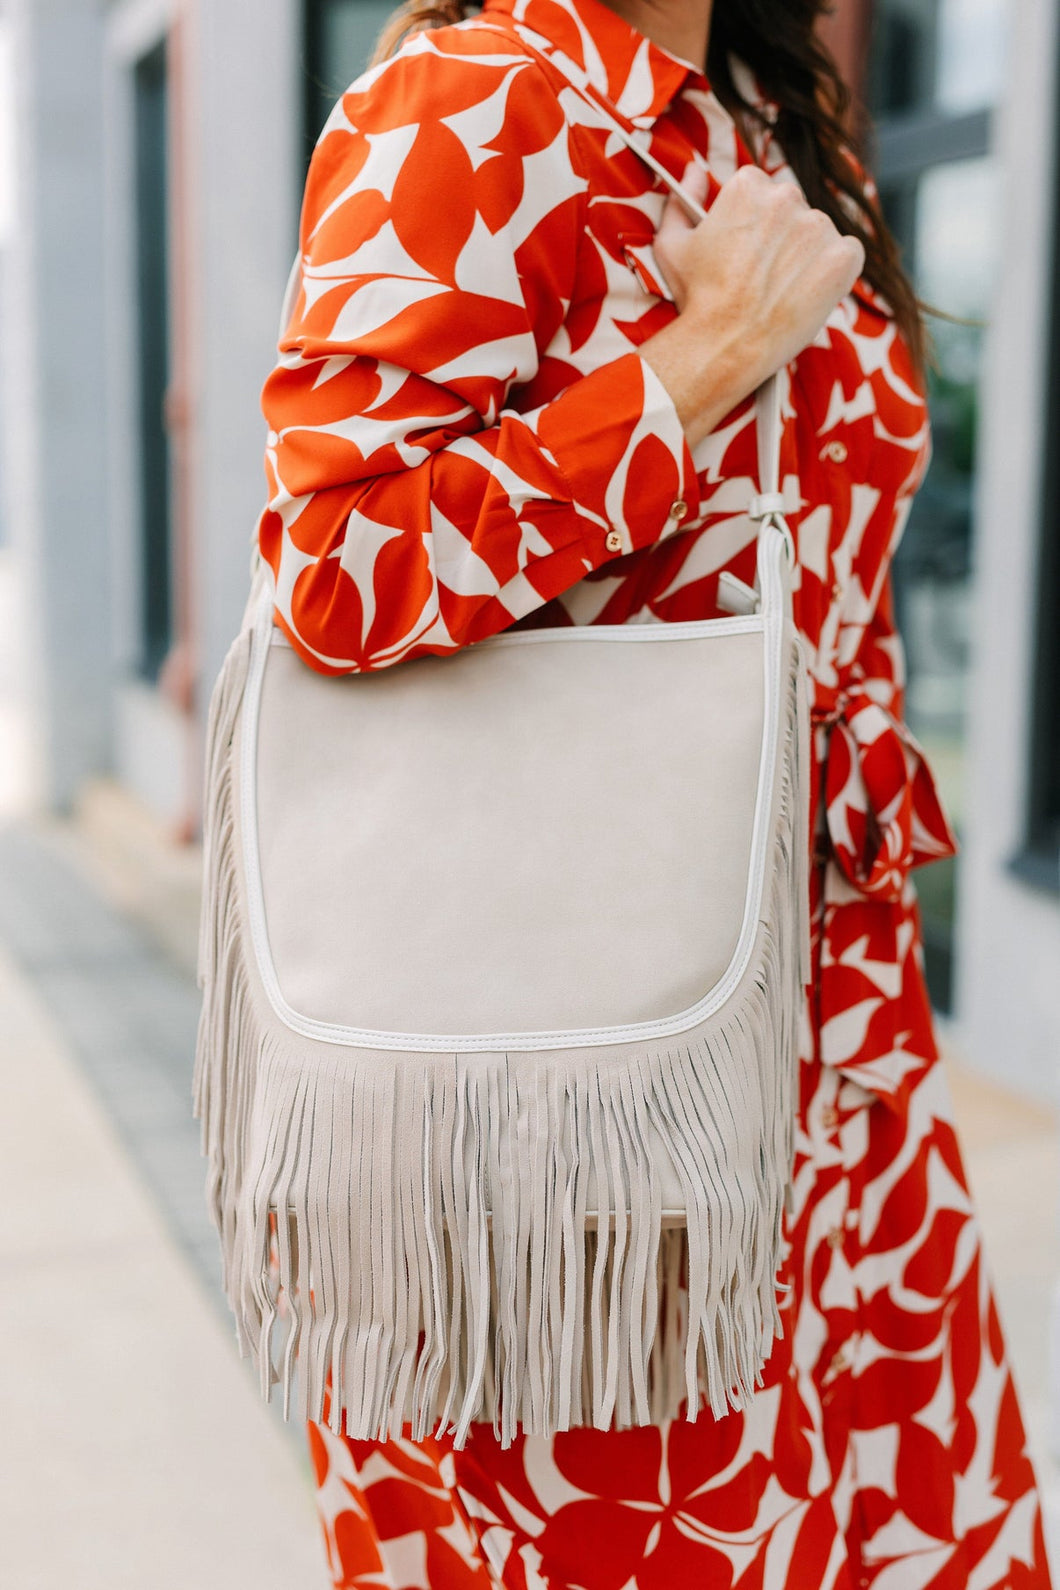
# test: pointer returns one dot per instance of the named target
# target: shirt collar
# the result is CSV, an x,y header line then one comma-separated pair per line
x,y
639,77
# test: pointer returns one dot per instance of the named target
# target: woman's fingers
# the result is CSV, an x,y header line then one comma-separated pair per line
x,y
696,182
854,262
670,245
678,222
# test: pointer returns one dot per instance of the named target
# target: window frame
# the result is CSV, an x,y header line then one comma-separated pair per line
x,y
903,146
1037,862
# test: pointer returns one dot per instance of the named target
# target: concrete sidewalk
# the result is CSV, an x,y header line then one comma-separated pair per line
x,y
136,1450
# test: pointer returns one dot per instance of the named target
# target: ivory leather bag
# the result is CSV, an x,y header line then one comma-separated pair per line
x,y
502,958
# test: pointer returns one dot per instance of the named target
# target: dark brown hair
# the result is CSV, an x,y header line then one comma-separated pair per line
x,y
779,41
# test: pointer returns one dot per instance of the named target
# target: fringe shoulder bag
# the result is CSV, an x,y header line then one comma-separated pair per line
x,y
502,957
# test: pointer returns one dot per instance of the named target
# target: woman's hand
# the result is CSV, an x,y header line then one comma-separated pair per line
x,y
754,283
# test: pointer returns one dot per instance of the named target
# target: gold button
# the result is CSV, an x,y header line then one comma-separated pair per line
x,y
836,451
830,1117
835,1237
613,541
679,510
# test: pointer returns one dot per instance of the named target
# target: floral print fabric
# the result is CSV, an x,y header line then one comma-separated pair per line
x,y
463,436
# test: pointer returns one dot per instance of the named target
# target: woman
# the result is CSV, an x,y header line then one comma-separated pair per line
x,y
503,315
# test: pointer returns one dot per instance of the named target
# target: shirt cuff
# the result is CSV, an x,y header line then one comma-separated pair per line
x,y
617,439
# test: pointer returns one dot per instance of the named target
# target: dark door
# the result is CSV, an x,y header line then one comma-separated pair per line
x,y
340,36
152,344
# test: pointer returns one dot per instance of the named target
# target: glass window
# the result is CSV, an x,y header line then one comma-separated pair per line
x,y
7,202
972,53
946,56
936,69
152,339
1040,861
953,258
7,134
340,36
902,61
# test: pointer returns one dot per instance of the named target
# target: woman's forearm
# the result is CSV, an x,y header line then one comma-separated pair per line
x,y
705,372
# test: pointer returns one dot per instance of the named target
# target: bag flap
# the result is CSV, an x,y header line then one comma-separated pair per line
x,y
545,833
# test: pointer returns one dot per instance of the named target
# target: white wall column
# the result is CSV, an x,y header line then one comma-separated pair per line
x,y
1008,984
53,387
1008,961
244,69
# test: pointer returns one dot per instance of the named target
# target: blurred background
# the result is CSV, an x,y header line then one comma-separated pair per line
x,y
152,154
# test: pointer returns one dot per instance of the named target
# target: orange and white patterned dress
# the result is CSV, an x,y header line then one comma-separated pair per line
x,y
463,436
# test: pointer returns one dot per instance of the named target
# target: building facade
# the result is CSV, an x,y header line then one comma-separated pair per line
x,y
160,154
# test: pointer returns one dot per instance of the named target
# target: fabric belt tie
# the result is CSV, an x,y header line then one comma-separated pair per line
x,y
881,810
